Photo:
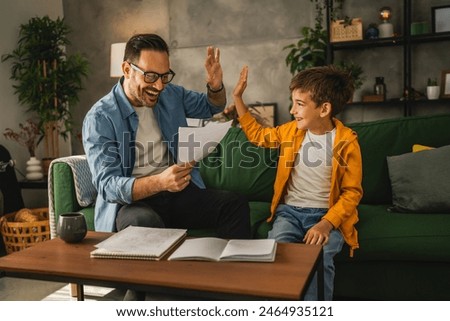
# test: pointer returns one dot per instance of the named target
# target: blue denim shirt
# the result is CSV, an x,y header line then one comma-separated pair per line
x,y
109,133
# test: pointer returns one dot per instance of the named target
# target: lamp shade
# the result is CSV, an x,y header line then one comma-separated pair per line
x,y
117,52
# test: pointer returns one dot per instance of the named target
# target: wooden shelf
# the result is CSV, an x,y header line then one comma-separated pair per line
x,y
390,42
407,43
368,43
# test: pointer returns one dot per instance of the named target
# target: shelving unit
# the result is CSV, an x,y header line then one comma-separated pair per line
x,y
406,41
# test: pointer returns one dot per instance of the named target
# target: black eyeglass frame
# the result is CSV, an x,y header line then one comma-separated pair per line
x,y
153,74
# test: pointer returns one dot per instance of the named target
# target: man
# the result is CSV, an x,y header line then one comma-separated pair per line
x,y
130,139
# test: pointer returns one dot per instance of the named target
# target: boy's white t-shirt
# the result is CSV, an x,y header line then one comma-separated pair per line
x,y
310,181
152,155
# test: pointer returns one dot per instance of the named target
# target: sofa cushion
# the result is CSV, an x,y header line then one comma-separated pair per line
x,y
389,137
391,236
418,148
421,181
238,165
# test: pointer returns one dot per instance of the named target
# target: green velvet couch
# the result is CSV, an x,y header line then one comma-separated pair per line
x,y
402,256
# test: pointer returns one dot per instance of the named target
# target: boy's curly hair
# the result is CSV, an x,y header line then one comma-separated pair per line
x,y
325,84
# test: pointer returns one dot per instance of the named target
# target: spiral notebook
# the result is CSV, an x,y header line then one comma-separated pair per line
x,y
139,243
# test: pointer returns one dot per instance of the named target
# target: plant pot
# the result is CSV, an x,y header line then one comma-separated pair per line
x,y
433,92
46,165
357,96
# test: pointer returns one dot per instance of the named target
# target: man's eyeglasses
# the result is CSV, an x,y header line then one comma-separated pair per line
x,y
151,77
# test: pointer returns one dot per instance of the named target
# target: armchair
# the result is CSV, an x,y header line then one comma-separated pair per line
x,y
70,190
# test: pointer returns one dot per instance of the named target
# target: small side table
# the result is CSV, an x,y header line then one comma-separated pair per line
x,y
38,184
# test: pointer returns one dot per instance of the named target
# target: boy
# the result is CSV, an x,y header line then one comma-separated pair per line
x,y
319,171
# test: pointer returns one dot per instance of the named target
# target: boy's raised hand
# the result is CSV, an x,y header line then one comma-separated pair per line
x,y
242,83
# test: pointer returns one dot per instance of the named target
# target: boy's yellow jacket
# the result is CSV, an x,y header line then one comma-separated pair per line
x,y
346,190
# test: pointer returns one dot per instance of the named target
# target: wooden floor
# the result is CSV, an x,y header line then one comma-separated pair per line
x,y
14,289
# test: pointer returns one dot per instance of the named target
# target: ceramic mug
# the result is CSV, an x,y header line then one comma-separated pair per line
x,y
71,227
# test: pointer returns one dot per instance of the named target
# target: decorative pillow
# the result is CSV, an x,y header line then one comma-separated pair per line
x,y
421,181
418,148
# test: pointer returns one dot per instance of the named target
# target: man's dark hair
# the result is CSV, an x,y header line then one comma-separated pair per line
x,y
325,84
139,42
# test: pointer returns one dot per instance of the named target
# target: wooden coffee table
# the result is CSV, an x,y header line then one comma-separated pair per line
x,y
285,279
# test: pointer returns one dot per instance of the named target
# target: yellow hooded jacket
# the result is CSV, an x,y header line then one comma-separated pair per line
x,y
346,190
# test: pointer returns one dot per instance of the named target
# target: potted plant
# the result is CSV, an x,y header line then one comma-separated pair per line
x,y
47,80
356,72
27,136
311,49
432,89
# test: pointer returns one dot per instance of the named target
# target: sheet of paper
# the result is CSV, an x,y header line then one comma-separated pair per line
x,y
194,143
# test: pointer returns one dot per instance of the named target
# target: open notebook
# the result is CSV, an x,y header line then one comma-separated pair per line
x,y
216,249
139,243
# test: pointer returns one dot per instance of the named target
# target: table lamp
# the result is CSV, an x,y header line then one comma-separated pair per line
x,y
386,28
117,52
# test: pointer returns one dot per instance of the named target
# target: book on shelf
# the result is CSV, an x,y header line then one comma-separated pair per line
x,y
217,249
139,243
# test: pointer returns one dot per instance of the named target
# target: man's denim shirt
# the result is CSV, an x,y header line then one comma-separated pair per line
x,y
109,133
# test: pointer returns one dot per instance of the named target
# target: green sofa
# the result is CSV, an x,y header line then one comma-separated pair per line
x,y
402,256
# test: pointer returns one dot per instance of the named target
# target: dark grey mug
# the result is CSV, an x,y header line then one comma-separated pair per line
x,y
71,227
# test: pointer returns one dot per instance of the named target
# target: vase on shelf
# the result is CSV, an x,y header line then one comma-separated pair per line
x,y
379,88
433,92
34,169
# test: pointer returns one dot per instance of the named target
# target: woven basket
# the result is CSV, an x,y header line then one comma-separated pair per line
x,y
342,32
20,235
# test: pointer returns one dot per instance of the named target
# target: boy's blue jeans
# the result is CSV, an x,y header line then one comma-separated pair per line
x,y
290,226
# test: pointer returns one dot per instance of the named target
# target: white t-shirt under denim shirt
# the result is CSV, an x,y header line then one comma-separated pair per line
x,y
152,155
310,181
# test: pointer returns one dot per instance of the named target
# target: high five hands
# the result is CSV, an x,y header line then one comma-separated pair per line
x,y
241,84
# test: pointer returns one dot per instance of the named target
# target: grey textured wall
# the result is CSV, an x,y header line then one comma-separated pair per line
x,y
251,32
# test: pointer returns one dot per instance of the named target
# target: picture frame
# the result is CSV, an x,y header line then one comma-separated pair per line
x,y
264,113
440,17
445,84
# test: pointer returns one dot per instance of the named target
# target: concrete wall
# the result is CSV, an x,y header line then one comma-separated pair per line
x,y
249,32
